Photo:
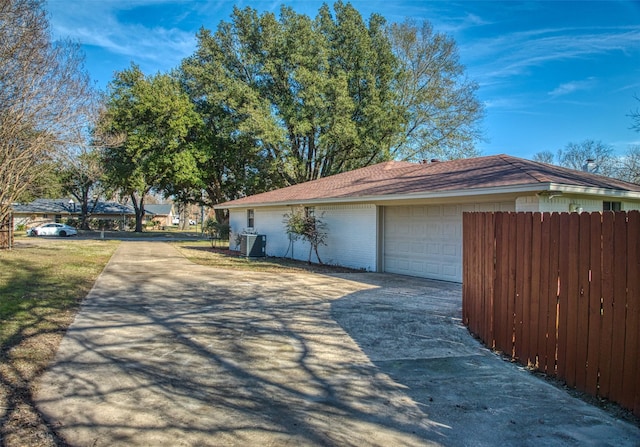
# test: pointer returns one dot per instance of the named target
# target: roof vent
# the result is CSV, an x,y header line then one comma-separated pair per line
x,y
591,166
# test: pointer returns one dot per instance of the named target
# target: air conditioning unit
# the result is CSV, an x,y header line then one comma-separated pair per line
x,y
253,245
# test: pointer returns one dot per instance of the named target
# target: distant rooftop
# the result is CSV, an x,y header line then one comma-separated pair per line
x,y
68,206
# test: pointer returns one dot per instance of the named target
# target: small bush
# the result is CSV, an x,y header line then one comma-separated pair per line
x,y
216,230
301,224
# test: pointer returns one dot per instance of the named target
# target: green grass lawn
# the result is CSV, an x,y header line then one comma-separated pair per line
x,y
42,283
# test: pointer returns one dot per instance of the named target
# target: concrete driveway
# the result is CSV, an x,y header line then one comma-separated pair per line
x,y
168,353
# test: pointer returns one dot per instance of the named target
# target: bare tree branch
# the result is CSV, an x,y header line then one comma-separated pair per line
x,y
44,98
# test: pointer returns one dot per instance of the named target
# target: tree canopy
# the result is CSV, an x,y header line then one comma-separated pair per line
x,y
604,162
441,109
575,155
287,99
315,97
156,121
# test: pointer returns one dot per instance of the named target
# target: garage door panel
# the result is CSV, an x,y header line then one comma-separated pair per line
x,y
451,210
450,271
450,250
431,248
433,211
418,248
404,230
417,268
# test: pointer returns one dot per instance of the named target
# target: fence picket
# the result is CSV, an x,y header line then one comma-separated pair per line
x,y
488,274
511,301
594,314
604,384
582,313
534,328
630,373
572,299
466,267
563,300
553,294
501,276
544,362
519,298
526,291
6,233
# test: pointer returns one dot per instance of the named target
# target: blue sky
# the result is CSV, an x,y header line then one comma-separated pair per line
x,y
549,72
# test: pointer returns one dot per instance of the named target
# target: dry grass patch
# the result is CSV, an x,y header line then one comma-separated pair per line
x,y
42,283
201,252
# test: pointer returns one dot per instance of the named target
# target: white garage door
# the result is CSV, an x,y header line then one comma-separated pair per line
x,y
426,241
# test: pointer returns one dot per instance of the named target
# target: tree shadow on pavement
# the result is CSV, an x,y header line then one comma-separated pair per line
x,y
207,357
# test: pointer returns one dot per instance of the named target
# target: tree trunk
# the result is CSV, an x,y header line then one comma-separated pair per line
x,y
139,209
84,214
222,216
315,248
84,210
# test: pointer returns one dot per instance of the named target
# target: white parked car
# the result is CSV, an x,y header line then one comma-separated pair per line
x,y
52,229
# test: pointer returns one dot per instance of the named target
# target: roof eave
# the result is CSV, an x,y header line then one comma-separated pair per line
x,y
595,191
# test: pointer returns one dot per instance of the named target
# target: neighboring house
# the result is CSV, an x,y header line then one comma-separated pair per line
x,y
406,218
162,213
59,210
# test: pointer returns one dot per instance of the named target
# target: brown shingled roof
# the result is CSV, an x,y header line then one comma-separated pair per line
x,y
400,178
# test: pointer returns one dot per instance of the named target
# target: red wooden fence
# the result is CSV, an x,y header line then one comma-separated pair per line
x,y
559,292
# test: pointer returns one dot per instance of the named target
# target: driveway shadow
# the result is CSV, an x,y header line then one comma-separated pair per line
x,y
411,330
165,352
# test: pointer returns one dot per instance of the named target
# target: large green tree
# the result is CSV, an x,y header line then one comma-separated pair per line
x,y
302,98
287,99
231,163
153,122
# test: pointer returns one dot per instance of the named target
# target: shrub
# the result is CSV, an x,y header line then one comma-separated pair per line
x,y
299,223
216,230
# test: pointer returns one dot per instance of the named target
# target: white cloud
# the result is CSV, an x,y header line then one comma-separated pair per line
x,y
97,24
515,53
570,87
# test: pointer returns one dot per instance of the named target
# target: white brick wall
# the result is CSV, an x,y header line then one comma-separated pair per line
x,y
352,237
564,204
628,206
351,229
